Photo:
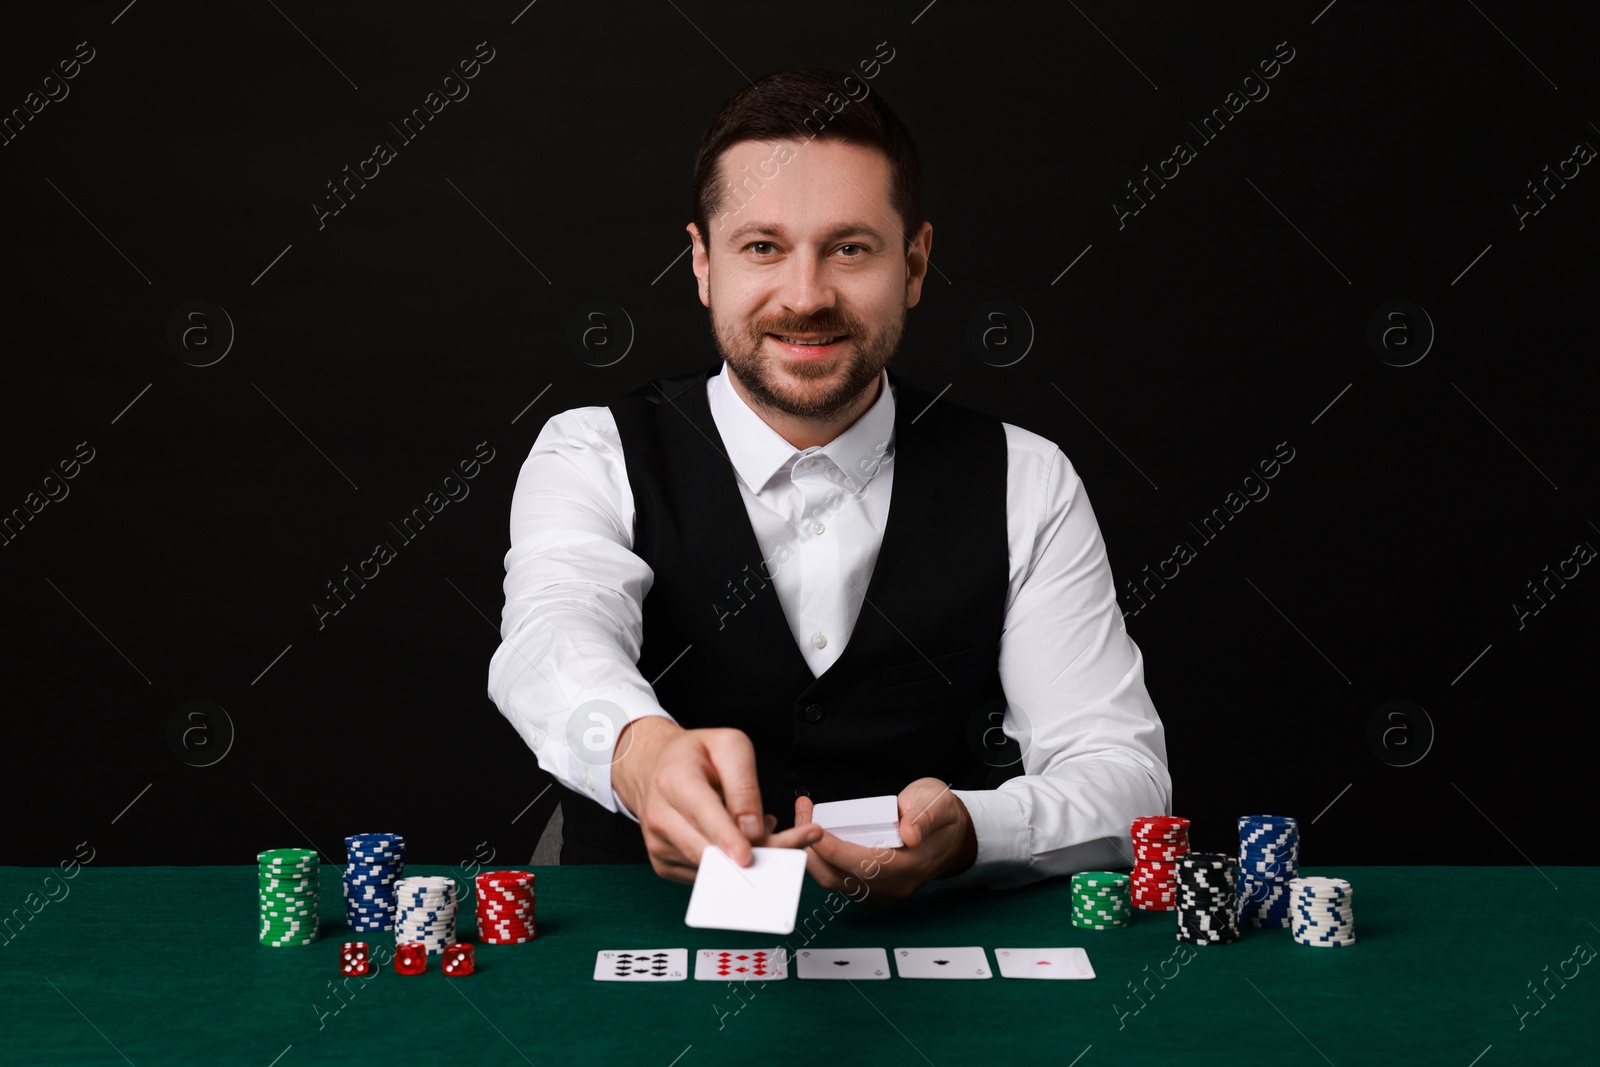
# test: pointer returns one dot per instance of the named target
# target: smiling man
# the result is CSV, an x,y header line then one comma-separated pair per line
x,y
795,577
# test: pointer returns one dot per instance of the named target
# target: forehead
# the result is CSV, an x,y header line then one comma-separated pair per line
x,y
803,185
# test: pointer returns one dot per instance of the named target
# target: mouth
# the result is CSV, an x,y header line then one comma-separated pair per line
x,y
803,346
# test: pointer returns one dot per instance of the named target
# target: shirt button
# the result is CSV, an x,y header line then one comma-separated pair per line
x,y
807,462
588,780
813,712
817,527
819,641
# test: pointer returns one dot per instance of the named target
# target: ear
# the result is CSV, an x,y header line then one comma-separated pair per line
x,y
700,260
917,263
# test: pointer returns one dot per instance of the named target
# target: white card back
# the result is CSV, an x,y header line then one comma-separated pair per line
x,y
761,898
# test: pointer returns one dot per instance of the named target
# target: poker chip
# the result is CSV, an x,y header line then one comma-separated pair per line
x,y
1206,899
1321,911
425,912
505,907
287,896
1269,858
1159,841
374,863
1101,900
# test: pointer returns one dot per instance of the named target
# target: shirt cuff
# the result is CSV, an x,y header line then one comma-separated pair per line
x,y
1005,842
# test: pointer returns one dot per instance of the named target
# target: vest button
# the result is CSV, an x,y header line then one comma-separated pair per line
x,y
802,791
813,712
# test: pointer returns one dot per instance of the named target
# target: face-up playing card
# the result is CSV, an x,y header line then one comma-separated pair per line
x,y
1043,963
761,898
857,963
642,965
942,963
740,964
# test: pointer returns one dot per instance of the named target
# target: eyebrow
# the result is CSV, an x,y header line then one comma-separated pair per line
x,y
768,229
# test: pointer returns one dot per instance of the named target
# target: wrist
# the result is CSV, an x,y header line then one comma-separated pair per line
x,y
634,756
966,852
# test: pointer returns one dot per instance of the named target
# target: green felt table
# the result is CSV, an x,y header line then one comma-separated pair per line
x,y
160,965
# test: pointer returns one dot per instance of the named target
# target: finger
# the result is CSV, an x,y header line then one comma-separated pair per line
x,y
673,839
802,810
846,856
824,873
795,837
772,823
733,758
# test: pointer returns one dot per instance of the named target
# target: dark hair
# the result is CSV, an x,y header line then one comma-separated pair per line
x,y
799,105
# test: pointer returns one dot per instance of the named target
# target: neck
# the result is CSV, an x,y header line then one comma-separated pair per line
x,y
810,433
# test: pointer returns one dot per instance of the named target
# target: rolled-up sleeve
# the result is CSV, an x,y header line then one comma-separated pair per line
x,y
565,674
1093,750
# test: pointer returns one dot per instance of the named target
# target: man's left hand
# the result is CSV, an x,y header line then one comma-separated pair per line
x,y
939,840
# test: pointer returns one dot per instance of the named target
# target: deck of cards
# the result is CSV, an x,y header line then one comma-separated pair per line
x,y
872,822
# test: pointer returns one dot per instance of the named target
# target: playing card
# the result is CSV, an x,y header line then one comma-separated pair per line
x,y
761,898
859,963
642,965
740,965
872,822
941,963
1043,963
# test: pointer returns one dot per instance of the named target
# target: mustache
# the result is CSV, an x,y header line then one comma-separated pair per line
x,y
789,327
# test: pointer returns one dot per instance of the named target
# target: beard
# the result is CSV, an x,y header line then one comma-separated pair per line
x,y
807,389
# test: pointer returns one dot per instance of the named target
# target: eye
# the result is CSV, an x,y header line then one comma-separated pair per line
x,y
759,246
861,250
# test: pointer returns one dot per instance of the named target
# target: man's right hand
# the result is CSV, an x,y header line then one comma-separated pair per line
x,y
693,788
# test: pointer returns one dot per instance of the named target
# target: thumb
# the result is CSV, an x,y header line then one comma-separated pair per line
x,y
922,809
802,810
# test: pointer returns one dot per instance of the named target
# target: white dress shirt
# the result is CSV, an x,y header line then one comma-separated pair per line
x,y
1094,754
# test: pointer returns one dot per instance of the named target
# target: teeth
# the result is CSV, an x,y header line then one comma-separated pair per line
x,y
791,341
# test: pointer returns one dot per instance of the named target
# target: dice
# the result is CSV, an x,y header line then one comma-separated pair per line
x,y
458,960
353,958
410,957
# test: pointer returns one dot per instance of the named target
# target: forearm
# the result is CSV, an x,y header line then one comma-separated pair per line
x,y
1074,817
570,690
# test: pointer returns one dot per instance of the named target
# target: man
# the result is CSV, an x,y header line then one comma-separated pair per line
x,y
732,594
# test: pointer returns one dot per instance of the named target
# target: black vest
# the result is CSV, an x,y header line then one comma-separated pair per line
x,y
916,692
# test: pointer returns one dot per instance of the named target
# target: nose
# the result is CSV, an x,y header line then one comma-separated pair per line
x,y
805,288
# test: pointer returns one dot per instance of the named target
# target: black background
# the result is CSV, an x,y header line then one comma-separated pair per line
x,y
1178,351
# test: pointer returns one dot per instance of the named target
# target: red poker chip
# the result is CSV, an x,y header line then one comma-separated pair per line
x,y
505,879
506,940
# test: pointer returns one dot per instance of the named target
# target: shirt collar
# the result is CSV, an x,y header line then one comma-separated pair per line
x,y
758,452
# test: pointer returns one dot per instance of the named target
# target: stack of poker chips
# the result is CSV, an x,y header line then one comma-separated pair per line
x,y
288,883
505,908
375,864
1159,841
425,912
1100,900
1269,857
1208,904
1322,912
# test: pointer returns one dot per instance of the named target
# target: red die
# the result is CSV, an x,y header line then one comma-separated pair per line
x,y
410,957
353,958
458,960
